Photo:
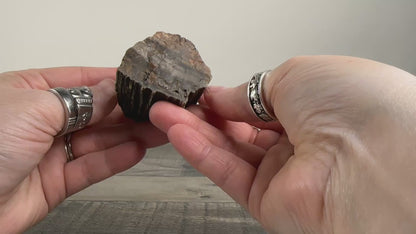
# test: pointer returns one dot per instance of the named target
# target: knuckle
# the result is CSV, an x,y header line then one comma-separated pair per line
x,y
293,63
228,169
298,60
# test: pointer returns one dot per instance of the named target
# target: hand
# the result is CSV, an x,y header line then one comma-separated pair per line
x,y
35,176
339,160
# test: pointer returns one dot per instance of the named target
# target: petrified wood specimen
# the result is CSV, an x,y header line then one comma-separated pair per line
x,y
162,67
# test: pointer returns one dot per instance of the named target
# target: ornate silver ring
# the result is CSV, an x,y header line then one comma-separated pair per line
x,y
255,96
77,103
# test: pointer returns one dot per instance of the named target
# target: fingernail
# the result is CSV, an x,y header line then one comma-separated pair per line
x,y
108,81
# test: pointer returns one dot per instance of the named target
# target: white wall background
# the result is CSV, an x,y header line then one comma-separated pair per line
x,y
235,38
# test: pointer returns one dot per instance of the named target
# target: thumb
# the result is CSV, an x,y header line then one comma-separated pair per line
x,y
36,116
104,101
29,120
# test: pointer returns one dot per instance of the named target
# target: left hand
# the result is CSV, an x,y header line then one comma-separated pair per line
x,y
34,174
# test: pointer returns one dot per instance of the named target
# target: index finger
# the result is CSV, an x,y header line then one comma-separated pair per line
x,y
65,76
233,104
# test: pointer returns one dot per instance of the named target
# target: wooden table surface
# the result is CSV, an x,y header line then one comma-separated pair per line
x,y
161,194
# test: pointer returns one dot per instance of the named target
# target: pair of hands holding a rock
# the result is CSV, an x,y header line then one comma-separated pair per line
x,y
338,159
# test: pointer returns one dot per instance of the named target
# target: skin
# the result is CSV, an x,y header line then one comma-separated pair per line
x,y
35,174
340,158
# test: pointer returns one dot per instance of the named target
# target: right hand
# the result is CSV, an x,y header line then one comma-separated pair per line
x,y
344,163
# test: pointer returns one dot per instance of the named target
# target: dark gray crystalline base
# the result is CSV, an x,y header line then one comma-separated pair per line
x,y
137,100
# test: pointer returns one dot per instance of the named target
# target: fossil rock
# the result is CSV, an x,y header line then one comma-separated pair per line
x,y
162,67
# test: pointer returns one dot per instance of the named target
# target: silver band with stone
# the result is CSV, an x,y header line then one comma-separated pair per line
x,y
255,96
77,104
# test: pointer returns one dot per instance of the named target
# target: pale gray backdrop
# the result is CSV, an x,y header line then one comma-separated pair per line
x,y
235,38
163,194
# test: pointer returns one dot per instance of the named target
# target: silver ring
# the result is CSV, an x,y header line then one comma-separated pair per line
x,y
255,96
68,148
77,103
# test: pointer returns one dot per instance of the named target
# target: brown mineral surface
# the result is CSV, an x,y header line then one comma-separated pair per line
x,y
162,67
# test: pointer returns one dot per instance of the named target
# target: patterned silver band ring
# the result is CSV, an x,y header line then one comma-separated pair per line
x,y
68,148
77,103
255,96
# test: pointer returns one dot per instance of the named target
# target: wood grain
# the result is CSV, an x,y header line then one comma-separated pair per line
x,y
161,194
147,217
